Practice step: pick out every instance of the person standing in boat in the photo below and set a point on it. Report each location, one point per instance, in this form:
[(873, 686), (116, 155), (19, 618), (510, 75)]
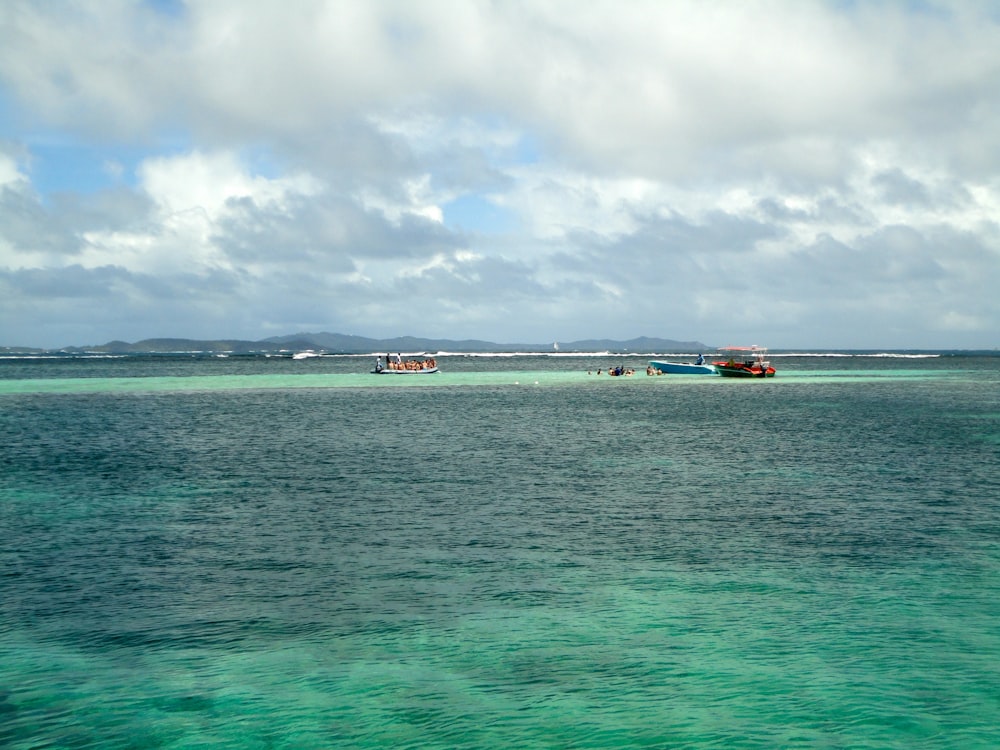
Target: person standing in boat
[(700, 360), (378, 364)]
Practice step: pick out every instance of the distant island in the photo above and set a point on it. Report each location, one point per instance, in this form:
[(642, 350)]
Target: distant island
[(338, 343)]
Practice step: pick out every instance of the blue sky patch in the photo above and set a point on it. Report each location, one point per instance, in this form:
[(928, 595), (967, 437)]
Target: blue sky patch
[(473, 213), (174, 8)]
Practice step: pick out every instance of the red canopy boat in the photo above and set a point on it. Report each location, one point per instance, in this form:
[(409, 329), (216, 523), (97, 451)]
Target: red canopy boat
[(744, 362)]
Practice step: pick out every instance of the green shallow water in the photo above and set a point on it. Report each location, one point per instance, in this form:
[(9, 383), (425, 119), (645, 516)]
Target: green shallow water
[(189, 383), (232, 557)]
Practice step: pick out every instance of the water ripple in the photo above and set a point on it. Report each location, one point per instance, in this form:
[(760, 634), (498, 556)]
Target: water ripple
[(569, 566)]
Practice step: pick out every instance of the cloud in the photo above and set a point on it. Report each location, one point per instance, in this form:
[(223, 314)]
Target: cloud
[(10, 174), (527, 171)]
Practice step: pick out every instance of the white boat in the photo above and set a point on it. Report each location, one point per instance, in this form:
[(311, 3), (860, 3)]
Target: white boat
[(397, 366), (683, 368), (307, 354), (421, 371)]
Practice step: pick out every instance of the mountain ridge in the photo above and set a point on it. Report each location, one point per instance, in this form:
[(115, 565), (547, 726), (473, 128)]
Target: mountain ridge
[(338, 343)]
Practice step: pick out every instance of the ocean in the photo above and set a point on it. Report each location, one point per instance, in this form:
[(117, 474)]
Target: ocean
[(515, 552)]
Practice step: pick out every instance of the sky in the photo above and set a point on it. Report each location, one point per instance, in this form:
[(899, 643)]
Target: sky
[(797, 174)]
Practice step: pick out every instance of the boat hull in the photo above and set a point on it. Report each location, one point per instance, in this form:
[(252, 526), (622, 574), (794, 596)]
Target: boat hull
[(744, 362), (739, 371), (682, 368), (425, 371)]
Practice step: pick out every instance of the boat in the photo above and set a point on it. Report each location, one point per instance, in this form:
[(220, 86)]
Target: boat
[(421, 371), (397, 366), (744, 362), (683, 368), (307, 354)]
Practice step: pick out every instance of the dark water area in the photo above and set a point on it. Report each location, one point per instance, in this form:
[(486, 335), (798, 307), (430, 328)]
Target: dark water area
[(185, 364), (523, 555)]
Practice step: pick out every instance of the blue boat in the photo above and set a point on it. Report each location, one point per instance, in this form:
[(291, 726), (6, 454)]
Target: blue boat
[(682, 368)]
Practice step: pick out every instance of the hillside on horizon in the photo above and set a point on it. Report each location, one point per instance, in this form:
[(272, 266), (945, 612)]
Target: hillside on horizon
[(338, 343)]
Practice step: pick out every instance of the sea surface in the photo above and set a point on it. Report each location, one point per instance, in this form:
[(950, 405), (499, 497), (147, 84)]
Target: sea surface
[(516, 552)]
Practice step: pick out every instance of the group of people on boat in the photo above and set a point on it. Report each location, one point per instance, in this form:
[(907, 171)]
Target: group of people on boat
[(396, 362)]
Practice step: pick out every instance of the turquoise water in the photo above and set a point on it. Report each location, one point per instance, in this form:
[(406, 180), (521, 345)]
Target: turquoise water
[(511, 553)]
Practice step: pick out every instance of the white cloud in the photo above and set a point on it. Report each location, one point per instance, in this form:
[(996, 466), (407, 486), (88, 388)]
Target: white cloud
[(191, 194), (415, 197), (10, 172), (651, 153), (206, 182)]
